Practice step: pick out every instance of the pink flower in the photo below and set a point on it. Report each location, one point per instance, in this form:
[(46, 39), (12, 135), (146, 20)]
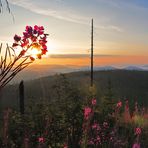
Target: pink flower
[(136, 145), (42, 42), (94, 101), (98, 139), (26, 35), (105, 124), (17, 38), (111, 138), (44, 51), (91, 142), (96, 126), (87, 112), (41, 28), (119, 104), (44, 47), (137, 131), (24, 42), (38, 29), (65, 146), (40, 32), (41, 140), (33, 38), (29, 29)]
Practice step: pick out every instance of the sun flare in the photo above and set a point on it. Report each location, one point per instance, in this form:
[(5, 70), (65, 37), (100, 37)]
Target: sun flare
[(51, 47), (34, 52)]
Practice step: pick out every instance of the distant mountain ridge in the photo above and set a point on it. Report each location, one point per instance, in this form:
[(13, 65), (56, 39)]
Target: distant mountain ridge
[(134, 68), (37, 71)]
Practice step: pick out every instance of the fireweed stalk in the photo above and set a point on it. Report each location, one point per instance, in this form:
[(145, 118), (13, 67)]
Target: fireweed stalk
[(88, 114), (32, 45), (137, 132), (94, 134)]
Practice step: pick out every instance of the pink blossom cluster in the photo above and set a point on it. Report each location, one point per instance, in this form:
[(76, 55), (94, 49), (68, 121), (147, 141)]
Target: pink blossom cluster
[(105, 125), (96, 126), (119, 104), (99, 134), (95, 141), (65, 146), (93, 101), (136, 145), (87, 112), (33, 37), (41, 140), (138, 131)]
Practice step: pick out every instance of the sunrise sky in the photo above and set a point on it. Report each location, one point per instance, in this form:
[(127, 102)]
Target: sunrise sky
[(120, 29)]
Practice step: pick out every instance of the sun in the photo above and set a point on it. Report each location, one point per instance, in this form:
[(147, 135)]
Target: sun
[(34, 52), (51, 47)]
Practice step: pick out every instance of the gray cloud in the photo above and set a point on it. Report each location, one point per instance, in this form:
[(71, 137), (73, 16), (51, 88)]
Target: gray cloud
[(73, 56)]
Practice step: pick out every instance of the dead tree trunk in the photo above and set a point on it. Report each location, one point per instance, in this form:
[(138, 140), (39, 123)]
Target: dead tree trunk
[(21, 97)]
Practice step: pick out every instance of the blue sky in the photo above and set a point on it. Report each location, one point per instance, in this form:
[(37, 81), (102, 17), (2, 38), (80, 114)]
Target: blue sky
[(120, 25)]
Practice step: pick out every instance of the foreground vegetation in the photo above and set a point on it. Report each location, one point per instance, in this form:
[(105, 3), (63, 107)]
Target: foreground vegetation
[(73, 119)]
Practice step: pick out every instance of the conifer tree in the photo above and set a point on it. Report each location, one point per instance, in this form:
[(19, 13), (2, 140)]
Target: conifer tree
[(107, 101)]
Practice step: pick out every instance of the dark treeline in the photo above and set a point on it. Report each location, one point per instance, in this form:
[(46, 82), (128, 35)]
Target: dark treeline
[(132, 85)]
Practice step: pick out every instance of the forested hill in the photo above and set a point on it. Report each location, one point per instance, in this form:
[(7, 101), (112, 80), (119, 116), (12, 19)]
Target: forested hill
[(125, 84)]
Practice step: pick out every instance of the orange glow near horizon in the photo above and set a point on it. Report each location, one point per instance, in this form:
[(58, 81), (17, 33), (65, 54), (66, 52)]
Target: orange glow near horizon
[(98, 60)]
